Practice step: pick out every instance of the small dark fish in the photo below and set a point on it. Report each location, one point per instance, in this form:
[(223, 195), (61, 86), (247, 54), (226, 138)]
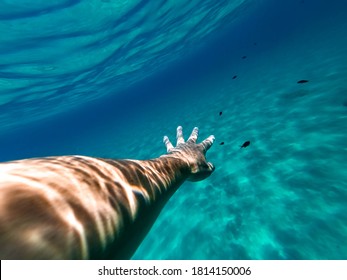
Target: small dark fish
[(246, 144), (234, 77), (221, 143), (255, 43), (220, 113), (244, 57), (302, 81)]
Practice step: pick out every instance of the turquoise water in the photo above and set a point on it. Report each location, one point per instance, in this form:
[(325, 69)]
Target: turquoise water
[(111, 78)]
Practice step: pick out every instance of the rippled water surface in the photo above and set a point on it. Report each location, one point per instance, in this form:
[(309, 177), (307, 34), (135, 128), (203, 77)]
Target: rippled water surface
[(55, 55)]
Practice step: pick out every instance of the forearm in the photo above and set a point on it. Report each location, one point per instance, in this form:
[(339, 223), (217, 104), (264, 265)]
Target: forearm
[(78, 207), (101, 207), (165, 174), (152, 183)]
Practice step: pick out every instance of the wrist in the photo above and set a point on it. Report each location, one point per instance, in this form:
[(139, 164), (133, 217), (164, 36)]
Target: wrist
[(177, 163)]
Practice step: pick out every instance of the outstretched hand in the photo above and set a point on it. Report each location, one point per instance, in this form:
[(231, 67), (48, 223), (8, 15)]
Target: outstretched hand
[(192, 153)]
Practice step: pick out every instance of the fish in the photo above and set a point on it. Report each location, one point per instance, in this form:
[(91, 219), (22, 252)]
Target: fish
[(246, 144), (302, 81), (220, 113), (234, 77), (221, 143), (244, 57)]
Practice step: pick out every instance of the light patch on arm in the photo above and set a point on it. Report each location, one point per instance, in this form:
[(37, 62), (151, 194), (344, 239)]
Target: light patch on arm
[(142, 192), (131, 199), (154, 184), (70, 219)]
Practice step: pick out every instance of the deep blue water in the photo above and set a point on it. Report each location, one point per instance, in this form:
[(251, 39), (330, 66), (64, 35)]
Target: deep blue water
[(110, 78)]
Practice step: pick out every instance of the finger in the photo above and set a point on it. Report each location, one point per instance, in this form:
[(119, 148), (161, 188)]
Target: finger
[(210, 166), (207, 143), (205, 170), (194, 135), (168, 144), (180, 139)]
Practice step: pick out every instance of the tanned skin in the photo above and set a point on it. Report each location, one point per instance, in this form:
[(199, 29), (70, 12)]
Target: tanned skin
[(79, 207)]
